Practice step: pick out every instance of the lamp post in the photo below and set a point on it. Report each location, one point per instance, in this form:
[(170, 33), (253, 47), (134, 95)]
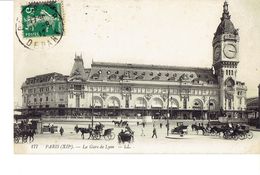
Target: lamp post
[(92, 108), (168, 114)]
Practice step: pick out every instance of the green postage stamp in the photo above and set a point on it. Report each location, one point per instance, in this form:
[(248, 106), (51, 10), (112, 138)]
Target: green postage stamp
[(40, 25), (42, 19)]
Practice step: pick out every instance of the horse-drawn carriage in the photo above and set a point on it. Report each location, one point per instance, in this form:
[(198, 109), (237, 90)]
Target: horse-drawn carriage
[(23, 133), (238, 132), (96, 133), (125, 136)]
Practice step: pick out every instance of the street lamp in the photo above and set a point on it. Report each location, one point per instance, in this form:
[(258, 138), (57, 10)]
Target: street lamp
[(92, 108), (168, 114)]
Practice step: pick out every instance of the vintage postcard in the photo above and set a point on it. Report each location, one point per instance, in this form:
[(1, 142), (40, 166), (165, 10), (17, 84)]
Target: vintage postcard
[(136, 76)]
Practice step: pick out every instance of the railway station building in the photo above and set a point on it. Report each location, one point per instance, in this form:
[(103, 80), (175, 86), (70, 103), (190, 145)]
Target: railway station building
[(106, 89)]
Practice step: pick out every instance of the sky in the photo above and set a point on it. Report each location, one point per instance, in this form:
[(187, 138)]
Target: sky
[(160, 32)]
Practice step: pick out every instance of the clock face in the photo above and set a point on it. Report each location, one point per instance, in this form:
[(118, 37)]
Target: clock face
[(217, 53), (230, 51)]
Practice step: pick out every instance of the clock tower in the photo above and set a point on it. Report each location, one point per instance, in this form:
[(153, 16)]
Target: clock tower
[(225, 60)]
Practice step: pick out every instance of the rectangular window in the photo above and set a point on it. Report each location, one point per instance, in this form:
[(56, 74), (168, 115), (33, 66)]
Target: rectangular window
[(47, 98), (35, 100)]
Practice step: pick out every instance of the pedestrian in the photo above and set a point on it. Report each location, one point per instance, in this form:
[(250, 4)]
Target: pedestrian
[(61, 131), (142, 134), (160, 125), (154, 132)]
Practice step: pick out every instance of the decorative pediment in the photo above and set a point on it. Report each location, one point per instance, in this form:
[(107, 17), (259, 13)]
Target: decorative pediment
[(112, 77), (95, 76), (184, 77)]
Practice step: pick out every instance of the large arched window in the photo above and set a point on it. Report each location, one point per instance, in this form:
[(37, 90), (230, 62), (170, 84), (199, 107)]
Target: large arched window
[(197, 104), (113, 102), (157, 103), (140, 103), (173, 103), (97, 102)]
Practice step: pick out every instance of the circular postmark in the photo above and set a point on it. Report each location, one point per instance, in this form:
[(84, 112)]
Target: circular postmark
[(40, 25)]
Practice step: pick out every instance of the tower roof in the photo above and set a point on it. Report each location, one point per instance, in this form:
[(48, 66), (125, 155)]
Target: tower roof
[(226, 26), (78, 72)]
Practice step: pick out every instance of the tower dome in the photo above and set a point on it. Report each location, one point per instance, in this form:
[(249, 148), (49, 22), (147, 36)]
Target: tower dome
[(226, 26)]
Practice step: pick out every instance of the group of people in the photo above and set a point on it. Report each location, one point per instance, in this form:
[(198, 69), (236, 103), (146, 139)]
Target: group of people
[(154, 132)]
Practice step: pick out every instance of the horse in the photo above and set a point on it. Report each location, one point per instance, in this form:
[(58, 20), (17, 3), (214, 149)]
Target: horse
[(197, 128), (117, 122), (31, 134), (125, 137), (84, 131), (217, 130)]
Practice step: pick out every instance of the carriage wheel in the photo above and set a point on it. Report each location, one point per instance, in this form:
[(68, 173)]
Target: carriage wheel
[(97, 136), (249, 135), (16, 139), (235, 137), (242, 136), (111, 136), (24, 139)]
